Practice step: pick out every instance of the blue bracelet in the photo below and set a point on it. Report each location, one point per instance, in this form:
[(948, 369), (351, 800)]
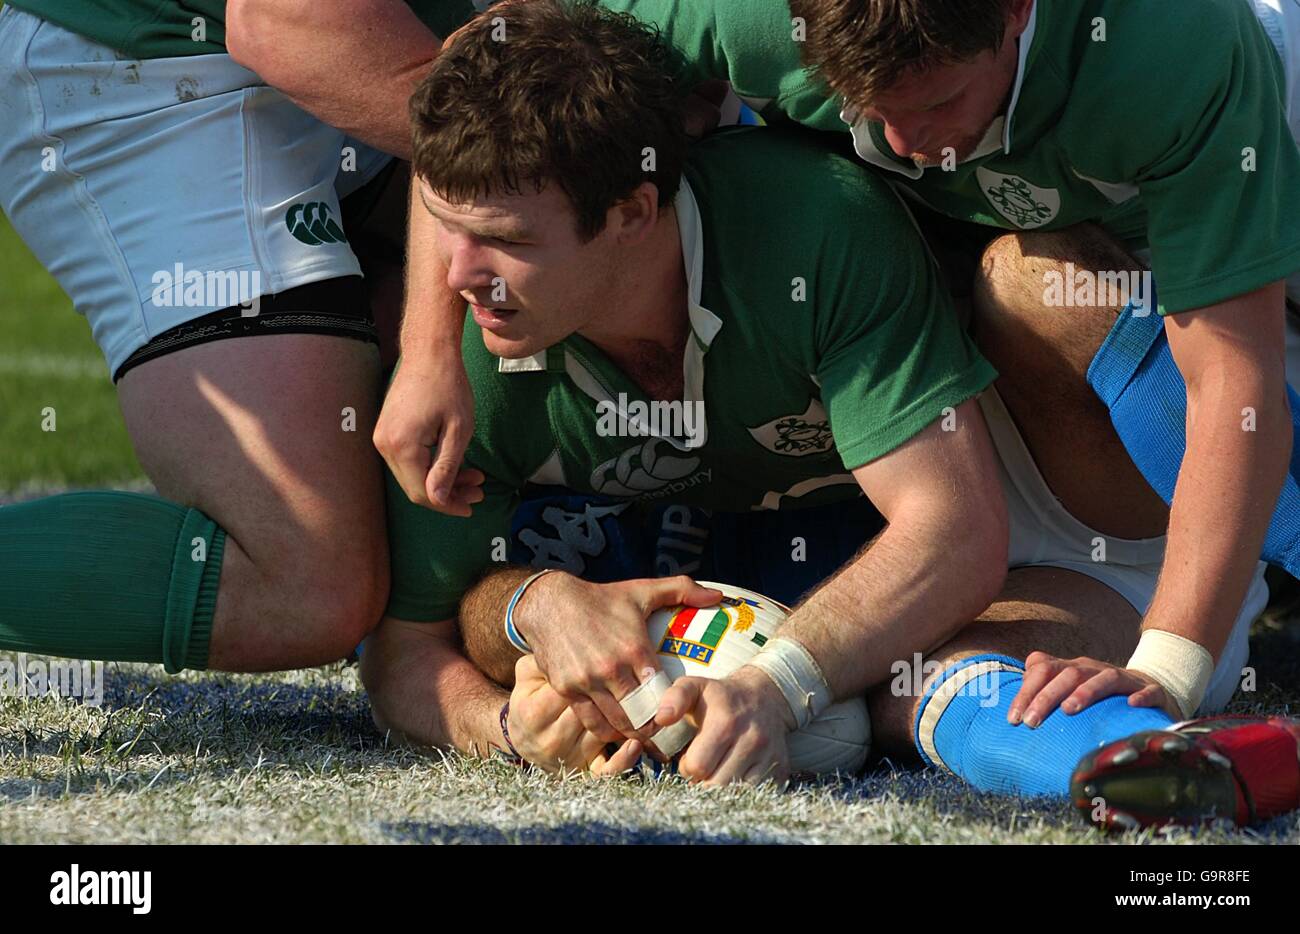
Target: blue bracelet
[(513, 634)]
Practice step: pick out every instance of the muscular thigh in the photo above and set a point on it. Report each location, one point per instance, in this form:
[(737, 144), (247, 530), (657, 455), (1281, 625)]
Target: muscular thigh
[(1042, 354), (1052, 610), (270, 436)]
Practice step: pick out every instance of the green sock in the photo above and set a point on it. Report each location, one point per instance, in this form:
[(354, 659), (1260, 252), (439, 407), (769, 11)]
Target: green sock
[(109, 576)]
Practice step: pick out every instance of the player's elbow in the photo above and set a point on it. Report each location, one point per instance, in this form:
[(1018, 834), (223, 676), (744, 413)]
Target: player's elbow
[(980, 546), (256, 32)]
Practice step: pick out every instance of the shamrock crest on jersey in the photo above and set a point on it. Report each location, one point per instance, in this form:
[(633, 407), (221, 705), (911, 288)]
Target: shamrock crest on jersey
[(1021, 202), (797, 435)]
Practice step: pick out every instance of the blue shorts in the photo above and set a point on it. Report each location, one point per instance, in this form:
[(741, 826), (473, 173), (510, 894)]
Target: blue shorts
[(783, 554)]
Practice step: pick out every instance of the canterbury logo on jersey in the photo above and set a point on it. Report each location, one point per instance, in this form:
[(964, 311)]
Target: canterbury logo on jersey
[(312, 224), (649, 468)]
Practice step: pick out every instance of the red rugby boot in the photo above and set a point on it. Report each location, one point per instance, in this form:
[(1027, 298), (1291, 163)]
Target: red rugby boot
[(1237, 768)]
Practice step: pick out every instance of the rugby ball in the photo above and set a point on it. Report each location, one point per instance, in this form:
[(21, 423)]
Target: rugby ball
[(712, 642)]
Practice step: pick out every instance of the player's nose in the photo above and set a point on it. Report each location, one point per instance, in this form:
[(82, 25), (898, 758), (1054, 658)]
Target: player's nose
[(906, 137), (467, 269)]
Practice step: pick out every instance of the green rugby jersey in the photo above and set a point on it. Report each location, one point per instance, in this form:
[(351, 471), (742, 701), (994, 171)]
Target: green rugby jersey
[(144, 29), (821, 339), (1151, 132)]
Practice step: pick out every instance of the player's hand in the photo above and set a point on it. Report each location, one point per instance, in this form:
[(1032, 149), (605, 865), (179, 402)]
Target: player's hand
[(592, 643), (546, 732), (1076, 683), (743, 721), (429, 403), (702, 109)]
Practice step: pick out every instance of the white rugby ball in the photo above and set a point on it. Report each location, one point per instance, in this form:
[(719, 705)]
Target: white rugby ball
[(712, 642)]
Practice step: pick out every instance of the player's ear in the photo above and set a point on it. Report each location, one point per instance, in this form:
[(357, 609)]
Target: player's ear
[(632, 219), (1020, 11)]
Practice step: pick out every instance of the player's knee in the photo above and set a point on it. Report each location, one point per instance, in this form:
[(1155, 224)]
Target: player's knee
[(335, 600)]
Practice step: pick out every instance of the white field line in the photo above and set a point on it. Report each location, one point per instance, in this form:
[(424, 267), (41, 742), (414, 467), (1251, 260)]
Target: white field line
[(38, 490), (53, 365)]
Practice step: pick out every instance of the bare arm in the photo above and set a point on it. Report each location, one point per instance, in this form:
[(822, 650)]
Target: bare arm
[(940, 562), (1231, 357), (305, 47), (423, 689), (1238, 444), (938, 565), (482, 624), (429, 402)]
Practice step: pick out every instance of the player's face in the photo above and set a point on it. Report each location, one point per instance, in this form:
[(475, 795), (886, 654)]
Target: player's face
[(945, 112), (519, 263)]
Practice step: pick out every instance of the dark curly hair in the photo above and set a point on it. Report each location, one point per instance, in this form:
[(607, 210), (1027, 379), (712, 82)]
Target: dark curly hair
[(540, 92)]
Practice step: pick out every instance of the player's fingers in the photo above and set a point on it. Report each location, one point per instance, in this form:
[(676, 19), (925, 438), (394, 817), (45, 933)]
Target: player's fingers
[(446, 465), (771, 769), (679, 700), (409, 464), (623, 760), (704, 756), (593, 719), (1102, 684), (668, 591), (1152, 695), (613, 711), (1052, 694), (465, 495), (1036, 678), (528, 674), (749, 753)]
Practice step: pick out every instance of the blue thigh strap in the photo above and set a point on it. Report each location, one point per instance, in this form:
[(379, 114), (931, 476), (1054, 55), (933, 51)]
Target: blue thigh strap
[(1135, 375)]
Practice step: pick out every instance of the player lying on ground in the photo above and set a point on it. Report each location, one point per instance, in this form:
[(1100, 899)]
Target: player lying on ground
[(1035, 116), (138, 152), (690, 279), (581, 323)]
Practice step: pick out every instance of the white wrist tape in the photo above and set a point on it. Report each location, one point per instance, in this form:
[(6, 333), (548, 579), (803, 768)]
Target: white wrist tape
[(641, 704), (798, 676), (1181, 666)]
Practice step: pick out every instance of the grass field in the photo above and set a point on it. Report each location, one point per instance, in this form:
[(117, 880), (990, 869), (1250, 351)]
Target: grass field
[(294, 758)]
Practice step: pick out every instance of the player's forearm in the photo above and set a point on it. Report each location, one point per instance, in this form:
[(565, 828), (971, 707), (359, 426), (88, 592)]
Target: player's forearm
[(482, 623), (425, 691), (433, 316), (914, 588), (352, 63), (1222, 506)]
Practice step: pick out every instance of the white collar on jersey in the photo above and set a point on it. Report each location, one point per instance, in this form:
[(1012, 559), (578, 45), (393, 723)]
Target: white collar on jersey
[(997, 138), (704, 328)]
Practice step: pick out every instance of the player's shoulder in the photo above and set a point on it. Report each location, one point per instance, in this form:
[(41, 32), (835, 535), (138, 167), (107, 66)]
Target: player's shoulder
[(1142, 43), (788, 177)]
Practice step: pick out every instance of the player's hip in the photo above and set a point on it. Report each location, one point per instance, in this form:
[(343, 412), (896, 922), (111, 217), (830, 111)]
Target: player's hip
[(160, 191)]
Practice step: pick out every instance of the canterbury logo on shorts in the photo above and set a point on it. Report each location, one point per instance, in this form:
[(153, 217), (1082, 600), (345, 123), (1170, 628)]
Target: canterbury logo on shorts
[(312, 224)]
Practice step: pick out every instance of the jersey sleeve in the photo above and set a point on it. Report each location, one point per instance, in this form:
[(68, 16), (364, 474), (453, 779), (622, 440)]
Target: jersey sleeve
[(1208, 147), (434, 559), (892, 355), (751, 45)]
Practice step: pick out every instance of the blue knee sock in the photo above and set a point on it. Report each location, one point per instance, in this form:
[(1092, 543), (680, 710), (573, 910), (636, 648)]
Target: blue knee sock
[(962, 726), (1135, 375)]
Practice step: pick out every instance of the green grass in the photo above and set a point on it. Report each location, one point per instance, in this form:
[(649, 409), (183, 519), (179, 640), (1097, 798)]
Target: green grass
[(49, 361), (294, 757)]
